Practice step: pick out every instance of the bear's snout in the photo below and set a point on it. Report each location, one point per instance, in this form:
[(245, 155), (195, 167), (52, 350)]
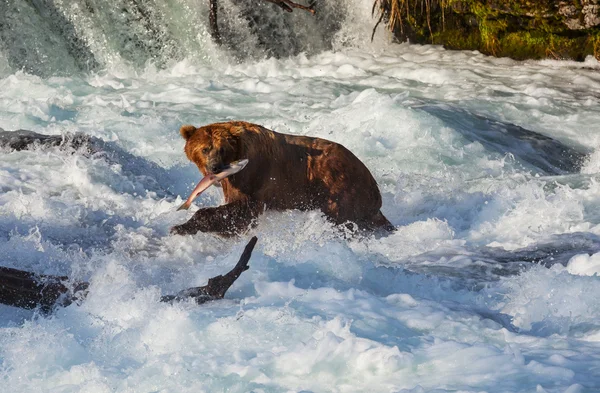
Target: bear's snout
[(215, 162), (216, 167)]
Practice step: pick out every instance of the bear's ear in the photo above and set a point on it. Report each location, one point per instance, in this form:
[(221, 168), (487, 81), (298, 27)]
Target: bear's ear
[(187, 131)]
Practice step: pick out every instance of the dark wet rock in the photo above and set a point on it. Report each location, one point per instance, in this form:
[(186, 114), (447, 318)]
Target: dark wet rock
[(147, 174)]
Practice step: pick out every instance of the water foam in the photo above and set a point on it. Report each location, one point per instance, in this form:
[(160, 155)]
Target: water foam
[(449, 302)]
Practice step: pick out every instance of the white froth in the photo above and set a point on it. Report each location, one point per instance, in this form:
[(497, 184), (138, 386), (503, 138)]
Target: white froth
[(584, 265), (450, 302)]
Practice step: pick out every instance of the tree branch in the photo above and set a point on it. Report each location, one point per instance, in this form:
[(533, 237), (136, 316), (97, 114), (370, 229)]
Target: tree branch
[(217, 286), (28, 290)]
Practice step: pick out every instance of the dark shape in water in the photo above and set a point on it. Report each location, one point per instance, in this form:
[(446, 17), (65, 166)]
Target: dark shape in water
[(548, 155), (28, 290), (558, 249), (51, 37), (492, 263), (24, 140), (36, 37), (96, 147), (277, 33), (217, 286)]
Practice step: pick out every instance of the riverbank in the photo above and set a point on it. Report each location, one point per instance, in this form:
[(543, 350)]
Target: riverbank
[(520, 29)]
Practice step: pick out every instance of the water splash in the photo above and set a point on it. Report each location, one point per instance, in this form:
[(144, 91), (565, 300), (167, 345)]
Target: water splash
[(64, 37)]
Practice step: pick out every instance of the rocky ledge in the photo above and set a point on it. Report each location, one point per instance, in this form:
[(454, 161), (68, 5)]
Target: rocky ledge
[(521, 29)]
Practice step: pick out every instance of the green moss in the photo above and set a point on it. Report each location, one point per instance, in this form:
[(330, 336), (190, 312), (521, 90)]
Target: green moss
[(536, 45), (490, 31), (521, 29), (527, 45), (455, 39), (521, 45), (593, 45)]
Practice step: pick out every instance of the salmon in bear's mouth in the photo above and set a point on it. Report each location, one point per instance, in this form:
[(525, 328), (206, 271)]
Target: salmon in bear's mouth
[(211, 179)]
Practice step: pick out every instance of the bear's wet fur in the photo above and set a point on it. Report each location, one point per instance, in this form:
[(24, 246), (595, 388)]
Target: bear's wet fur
[(284, 172)]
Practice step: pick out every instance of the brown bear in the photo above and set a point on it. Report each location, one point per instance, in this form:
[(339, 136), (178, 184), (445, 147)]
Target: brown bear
[(284, 172)]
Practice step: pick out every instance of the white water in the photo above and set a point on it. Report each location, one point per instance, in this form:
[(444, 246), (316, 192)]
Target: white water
[(449, 302)]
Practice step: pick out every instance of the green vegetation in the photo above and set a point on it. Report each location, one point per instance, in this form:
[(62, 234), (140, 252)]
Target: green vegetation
[(521, 29)]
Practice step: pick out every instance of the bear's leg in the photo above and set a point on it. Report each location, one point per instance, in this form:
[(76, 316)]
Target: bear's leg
[(226, 220), (343, 208)]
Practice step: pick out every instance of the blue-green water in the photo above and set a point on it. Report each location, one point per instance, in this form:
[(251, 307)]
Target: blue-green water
[(478, 160)]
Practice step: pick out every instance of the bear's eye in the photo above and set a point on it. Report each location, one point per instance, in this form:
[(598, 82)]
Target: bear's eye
[(205, 150)]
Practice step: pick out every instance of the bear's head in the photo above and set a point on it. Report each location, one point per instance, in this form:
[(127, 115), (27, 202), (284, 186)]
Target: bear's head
[(212, 148)]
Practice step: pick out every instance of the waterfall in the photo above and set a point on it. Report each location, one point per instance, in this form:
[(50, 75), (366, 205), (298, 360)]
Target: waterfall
[(65, 37)]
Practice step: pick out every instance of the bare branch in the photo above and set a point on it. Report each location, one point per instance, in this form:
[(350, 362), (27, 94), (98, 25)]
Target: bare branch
[(23, 289), (376, 24)]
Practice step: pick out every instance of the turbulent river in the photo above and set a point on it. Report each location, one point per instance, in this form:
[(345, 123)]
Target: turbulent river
[(488, 168)]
